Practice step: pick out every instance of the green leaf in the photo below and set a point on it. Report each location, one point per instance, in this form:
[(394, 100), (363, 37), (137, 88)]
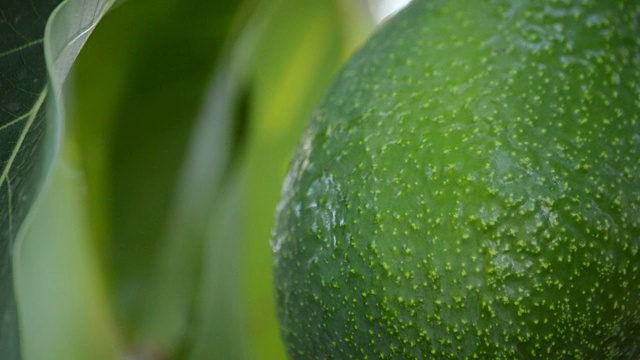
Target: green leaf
[(219, 328), (133, 120), (64, 309), (28, 129), (23, 79), (213, 149)]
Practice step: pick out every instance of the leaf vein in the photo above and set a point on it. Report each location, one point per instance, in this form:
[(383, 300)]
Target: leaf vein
[(17, 119), (31, 117), (20, 48), (10, 213)]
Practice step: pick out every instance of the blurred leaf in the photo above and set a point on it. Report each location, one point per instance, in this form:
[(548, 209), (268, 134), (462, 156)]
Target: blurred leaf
[(64, 308), (205, 220), (133, 118), (28, 129), (218, 325), (213, 151)]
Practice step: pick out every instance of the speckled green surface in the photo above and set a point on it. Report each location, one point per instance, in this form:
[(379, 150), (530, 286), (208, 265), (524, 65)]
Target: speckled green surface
[(470, 188)]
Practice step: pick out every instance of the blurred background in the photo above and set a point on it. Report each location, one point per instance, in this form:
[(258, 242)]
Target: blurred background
[(152, 240)]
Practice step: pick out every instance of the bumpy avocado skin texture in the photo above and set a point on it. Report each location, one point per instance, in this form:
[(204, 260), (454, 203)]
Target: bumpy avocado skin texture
[(469, 188)]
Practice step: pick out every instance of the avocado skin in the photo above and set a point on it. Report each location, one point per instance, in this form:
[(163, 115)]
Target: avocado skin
[(469, 188)]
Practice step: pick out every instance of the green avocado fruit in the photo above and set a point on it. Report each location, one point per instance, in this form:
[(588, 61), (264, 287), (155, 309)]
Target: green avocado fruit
[(469, 188)]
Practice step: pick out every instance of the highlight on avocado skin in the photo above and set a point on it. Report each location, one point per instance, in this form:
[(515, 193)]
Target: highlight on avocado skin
[(469, 187)]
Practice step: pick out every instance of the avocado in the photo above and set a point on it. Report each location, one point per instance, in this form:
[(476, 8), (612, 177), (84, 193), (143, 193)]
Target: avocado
[(469, 188)]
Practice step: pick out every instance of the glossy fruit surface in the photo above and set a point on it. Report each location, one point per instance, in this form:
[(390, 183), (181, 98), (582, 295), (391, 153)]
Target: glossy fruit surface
[(470, 188)]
